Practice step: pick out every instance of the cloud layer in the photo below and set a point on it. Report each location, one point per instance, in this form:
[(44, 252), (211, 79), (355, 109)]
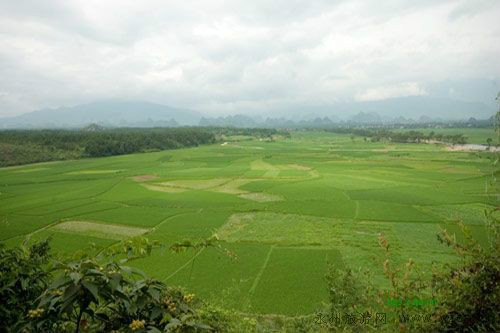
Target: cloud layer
[(242, 56), (386, 92)]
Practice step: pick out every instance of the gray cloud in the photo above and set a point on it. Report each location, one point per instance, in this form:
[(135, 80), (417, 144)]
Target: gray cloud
[(242, 56)]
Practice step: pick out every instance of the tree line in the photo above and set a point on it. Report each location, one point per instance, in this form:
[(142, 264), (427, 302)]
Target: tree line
[(376, 135), (31, 146)]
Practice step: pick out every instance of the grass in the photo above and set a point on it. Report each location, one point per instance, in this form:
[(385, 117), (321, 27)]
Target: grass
[(284, 209)]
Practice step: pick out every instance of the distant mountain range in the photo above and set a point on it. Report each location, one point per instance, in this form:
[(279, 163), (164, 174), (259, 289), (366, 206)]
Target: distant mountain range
[(412, 107), (106, 113), (120, 113)]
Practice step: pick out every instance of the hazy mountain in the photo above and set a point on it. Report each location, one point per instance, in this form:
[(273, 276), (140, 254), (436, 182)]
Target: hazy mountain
[(108, 113), (366, 118), (408, 107), (418, 106), (235, 121), (145, 114)]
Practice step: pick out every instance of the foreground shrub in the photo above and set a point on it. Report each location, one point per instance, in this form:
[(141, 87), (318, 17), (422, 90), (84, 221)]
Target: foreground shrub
[(89, 294), (469, 293), (23, 278)]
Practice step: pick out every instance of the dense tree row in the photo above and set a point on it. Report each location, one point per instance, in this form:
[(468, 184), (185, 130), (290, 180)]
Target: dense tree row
[(376, 135), (255, 132), (31, 146), (28, 146), (360, 120)]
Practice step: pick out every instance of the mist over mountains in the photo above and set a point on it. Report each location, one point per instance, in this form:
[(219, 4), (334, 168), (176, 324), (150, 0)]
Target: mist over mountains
[(123, 113), (106, 113)]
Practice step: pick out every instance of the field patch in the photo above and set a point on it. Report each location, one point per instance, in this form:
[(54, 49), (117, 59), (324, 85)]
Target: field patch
[(220, 185), (131, 216), (29, 170), (144, 178), (99, 230), (283, 229), (384, 211), (63, 242), (195, 184), (261, 197), (473, 214), (233, 186), (414, 196), (92, 172), (261, 165), (160, 188), (209, 274), (17, 225), (298, 167), (286, 273)]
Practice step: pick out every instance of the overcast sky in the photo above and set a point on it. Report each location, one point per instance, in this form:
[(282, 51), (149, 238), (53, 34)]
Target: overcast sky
[(245, 56)]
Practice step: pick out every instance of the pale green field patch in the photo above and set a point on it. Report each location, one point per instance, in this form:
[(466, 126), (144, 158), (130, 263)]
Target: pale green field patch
[(272, 174), (261, 197), (93, 172), (196, 184), (99, 230), (144, 178), (261, 165), (298, 167), (164, 188), (30, 170), (233, 186)]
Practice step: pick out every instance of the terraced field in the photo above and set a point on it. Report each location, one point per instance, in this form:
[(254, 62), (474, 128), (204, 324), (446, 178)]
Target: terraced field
[(285, 209)]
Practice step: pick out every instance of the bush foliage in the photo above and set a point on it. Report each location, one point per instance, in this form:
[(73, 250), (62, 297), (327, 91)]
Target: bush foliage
[(89, 294)]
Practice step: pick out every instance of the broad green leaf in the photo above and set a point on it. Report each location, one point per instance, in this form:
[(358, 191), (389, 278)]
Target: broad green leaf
[(92, 288)]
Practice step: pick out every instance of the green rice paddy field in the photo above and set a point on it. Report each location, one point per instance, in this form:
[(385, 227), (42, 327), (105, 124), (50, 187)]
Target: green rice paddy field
[(285, 209)]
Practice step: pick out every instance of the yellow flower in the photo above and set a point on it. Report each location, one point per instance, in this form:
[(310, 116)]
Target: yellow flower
[(57, 292), (172, 307), (137, 324), (188, 298), (35, 313)]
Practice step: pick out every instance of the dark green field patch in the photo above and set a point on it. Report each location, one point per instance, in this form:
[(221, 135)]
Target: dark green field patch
[(479, 233), (196, 225), (131, 215), (64, 244), (471, 214), (338, 207), (295, 278), (18, 225), (414, 196), (385, 211), (211, 274)]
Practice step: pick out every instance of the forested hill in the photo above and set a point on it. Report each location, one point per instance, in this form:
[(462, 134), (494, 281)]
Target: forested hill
[(31, 146)]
